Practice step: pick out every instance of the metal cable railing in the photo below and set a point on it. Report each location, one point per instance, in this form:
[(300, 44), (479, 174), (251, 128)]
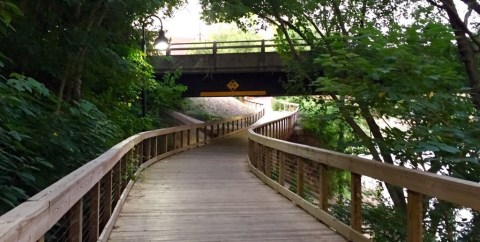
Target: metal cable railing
[(83, 206), (301, 173)]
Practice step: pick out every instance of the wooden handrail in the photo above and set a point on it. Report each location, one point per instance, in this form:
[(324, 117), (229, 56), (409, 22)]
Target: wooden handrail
[(268, 155), (86, 202)]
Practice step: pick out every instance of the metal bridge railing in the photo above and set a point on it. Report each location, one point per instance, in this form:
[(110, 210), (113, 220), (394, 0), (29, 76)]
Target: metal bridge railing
[(239, 46)]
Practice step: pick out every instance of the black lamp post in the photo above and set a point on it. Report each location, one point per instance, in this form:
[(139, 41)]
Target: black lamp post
[(160, 43)]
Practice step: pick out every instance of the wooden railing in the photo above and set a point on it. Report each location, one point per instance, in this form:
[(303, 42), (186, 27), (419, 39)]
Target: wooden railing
[(299, 172), (83, 206)]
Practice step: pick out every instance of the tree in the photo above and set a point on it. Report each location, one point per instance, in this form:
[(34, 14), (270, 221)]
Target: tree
[(81, 73), (371, 68)]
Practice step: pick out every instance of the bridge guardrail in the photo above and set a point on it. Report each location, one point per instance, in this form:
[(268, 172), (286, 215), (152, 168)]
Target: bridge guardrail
[(83, 205), (298, 171)]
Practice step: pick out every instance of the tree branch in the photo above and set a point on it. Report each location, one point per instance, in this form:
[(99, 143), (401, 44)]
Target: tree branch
[(472, 4)]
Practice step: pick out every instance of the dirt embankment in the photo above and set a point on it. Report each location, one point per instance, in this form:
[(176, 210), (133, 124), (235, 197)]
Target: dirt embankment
[(215, 108)]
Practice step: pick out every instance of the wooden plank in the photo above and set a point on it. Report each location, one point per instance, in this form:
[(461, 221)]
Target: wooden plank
[(415, 217)]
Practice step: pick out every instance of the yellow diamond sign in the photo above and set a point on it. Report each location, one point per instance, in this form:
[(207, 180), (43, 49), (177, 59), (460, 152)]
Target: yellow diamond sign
[(232, 85)]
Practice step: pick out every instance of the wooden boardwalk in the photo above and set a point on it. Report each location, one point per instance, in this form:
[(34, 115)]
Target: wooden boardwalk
[(208, 194)]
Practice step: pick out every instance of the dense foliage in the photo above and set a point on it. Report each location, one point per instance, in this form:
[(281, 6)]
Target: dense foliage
[(82, 71), (398, 86)]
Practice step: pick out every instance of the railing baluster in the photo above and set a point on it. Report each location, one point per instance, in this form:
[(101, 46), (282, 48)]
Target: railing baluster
[(415, 216), (356, 202)]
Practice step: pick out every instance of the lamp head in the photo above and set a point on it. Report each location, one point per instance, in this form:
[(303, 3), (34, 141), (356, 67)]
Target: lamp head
[(161, 42)]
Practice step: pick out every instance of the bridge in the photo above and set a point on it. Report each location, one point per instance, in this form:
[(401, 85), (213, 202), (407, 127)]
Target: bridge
[(228, 68), (235, 179)]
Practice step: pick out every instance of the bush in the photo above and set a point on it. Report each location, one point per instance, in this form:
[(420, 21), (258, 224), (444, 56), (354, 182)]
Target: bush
[(39, 146)]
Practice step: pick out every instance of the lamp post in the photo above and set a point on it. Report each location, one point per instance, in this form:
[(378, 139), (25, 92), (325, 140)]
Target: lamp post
[(160, 43)]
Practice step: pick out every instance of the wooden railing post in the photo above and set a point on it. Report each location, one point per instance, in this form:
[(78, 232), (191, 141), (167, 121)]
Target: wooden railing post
[(107, 203), (323, 187), (281, 169), (121, 177), (154, 147), (165, 143), (205, 135), (415, 216), (175, 140), (268, 164), (94, 218), (356, 200), (300, 177), (197, 136), (118, 183), (76, 222), (181, 139), (146, 150)]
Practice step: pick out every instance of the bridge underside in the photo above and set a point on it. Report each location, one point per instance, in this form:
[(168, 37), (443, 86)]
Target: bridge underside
[(233, 84), (248, 84)]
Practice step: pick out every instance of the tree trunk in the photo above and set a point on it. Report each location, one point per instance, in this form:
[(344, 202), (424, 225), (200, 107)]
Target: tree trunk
[(466, 52), (396, 193)]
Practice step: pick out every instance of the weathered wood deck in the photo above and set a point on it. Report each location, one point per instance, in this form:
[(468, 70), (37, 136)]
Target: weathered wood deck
[(208, 194)]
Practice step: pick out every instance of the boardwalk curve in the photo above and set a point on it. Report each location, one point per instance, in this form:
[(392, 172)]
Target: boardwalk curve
[(209, 194)]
